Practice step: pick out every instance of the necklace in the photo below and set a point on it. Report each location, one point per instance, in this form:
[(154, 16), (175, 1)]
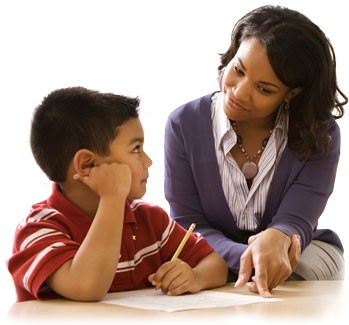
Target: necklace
[(249, 167)]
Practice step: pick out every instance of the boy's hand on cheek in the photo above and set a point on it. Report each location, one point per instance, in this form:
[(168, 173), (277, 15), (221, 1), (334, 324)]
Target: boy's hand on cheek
[(108, 179)]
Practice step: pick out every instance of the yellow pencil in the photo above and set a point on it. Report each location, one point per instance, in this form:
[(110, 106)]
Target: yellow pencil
[(180, 247)]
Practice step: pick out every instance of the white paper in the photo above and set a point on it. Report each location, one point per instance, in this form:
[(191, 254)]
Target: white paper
[(152, 299)]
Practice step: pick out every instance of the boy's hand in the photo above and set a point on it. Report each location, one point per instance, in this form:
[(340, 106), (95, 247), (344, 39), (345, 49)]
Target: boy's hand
[(176, 277), (108, 180)]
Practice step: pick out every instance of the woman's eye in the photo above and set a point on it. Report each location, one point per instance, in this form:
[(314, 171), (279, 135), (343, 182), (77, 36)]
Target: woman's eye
[(238, 70), (265, 91)]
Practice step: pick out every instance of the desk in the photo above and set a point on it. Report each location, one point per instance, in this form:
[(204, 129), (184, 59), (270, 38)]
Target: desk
[(311, 302)]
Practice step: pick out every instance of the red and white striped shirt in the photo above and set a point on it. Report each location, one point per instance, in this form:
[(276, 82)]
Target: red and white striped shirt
[(55, 229)]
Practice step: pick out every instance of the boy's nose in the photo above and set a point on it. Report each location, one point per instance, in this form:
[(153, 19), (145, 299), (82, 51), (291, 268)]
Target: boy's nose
[(147, 161)]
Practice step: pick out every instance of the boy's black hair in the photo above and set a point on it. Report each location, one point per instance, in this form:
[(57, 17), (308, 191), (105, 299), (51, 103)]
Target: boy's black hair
[(70, 119)]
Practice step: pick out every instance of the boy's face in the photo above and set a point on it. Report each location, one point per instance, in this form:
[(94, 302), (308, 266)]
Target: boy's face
[(127, 148)]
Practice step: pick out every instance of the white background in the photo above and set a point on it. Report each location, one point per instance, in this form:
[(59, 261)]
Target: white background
[(165, 52)]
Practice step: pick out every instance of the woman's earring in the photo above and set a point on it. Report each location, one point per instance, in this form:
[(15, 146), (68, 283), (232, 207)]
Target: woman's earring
[(286, 105)]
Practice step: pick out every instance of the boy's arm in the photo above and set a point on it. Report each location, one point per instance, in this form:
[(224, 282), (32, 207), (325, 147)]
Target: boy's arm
[(212, 271), (177, 277), (88, 276)]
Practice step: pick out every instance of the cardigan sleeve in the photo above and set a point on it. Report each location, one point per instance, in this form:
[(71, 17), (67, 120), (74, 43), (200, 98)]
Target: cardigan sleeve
[(185, 195), (305, 190)]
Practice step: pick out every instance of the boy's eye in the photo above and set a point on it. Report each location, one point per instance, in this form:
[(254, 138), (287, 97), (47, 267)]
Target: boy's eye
[(137, 149)]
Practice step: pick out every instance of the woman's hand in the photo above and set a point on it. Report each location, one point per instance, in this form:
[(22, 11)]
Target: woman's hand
[(273, 256)]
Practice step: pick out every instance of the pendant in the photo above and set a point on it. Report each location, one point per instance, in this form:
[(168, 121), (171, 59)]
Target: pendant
[(249, 169)]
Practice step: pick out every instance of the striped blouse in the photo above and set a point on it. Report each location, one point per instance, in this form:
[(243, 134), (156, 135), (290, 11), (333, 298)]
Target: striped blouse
[(246, 205)]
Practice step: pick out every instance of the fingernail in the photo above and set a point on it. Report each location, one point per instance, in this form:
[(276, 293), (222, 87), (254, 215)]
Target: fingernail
[(158, 285), (267, 294), (238, 281)]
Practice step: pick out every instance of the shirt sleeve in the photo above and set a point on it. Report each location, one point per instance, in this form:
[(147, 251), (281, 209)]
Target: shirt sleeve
[(306, 192), (195, 249), (39, 249)]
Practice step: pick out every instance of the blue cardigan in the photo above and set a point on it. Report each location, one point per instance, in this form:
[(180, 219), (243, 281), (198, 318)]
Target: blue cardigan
[(298, 194)]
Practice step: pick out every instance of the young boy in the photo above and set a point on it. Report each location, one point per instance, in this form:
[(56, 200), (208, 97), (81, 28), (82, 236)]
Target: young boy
[(91, 236)]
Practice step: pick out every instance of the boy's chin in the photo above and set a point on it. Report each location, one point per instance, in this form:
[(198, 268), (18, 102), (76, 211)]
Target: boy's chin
[(136, 195)]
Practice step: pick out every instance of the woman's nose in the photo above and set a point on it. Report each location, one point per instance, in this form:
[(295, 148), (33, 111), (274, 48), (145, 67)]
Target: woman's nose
[(242, 90)]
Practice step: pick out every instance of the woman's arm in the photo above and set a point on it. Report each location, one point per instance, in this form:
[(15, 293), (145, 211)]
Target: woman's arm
[(302, 190), (303, 199), (184, 193)]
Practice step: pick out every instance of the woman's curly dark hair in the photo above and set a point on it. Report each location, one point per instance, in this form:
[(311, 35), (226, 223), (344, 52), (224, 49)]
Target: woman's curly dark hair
[(301, 56)]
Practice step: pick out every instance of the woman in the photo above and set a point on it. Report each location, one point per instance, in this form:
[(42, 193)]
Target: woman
[(254, 164)]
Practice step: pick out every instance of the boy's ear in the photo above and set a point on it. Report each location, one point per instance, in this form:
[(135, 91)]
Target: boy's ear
[(83, 161)]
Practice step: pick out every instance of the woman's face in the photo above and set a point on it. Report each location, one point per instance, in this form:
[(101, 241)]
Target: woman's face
[(252, 92)]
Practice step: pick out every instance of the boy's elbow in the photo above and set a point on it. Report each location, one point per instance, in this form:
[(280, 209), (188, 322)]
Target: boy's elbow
[(79, 287), (87, 294), (95, 294), (83, 292)]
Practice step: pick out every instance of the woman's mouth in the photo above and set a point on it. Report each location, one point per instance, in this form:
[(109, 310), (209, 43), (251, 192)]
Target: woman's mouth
[(233, 105)]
